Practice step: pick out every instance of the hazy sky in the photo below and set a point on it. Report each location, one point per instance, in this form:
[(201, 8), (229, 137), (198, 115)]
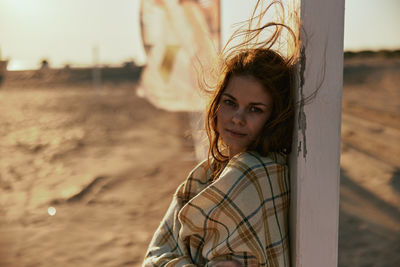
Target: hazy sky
[(65, 31)]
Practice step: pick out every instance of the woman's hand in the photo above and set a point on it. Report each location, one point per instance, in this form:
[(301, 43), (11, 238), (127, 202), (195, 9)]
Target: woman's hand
[(227, 264)]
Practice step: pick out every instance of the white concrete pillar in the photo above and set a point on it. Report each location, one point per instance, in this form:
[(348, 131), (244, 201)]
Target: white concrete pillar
[(315, 160)]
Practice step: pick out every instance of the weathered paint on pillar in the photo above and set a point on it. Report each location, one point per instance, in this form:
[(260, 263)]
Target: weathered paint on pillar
[(315, 160)]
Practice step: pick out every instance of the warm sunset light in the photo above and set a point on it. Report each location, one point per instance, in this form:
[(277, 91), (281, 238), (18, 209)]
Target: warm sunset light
[(104, 111), (66, 31)]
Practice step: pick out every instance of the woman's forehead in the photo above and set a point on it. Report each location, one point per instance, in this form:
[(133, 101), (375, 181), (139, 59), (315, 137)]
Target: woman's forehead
[(247, 89)]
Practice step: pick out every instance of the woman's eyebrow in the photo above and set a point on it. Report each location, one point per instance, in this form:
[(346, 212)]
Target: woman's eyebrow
[(229, 95), (258, 103), (252, 103)]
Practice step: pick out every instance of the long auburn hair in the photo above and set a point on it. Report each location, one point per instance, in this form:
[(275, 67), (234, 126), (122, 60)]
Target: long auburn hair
[(276, 72)]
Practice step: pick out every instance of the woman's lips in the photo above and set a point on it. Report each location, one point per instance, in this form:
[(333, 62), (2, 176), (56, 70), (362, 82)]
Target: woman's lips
[(235, 134)]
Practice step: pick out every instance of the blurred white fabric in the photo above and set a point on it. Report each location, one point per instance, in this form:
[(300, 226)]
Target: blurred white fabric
[(181, 39)]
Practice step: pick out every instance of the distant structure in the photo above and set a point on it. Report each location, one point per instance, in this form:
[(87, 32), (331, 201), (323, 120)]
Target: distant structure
[(129, 64), (44, 65), (3, 69), (96, 70)]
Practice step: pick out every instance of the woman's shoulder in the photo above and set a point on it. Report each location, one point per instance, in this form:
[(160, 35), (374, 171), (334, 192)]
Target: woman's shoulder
[(252, 165), (251, 172), (199, 178), (254, 159), (201, 173)]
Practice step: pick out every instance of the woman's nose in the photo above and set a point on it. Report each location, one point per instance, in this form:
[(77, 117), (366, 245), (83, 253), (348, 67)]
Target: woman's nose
[(239, 118)]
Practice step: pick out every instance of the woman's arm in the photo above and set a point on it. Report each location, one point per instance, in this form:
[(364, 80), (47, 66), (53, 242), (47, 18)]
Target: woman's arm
[(239, 220), (242, 216), (166, 248)]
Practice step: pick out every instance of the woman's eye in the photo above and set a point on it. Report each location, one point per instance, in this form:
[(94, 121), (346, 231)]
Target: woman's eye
[(256, 110), (229, 102)]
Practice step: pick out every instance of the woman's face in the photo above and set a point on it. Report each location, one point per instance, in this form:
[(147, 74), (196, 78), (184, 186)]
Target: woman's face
[(244, 108)]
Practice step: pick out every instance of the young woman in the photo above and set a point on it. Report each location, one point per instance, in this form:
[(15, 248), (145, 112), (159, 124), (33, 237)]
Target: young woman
[(233, 208)]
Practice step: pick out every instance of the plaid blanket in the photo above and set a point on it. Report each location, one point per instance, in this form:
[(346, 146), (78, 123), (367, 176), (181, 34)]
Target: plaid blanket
[(241, 216)]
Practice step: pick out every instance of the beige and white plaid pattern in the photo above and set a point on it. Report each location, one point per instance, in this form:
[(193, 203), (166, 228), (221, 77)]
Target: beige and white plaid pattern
[(241, 216)]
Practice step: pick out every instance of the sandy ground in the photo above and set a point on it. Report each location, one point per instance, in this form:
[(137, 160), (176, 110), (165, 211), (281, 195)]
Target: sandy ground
[(105, 159), (369, 233), (109, 162)]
